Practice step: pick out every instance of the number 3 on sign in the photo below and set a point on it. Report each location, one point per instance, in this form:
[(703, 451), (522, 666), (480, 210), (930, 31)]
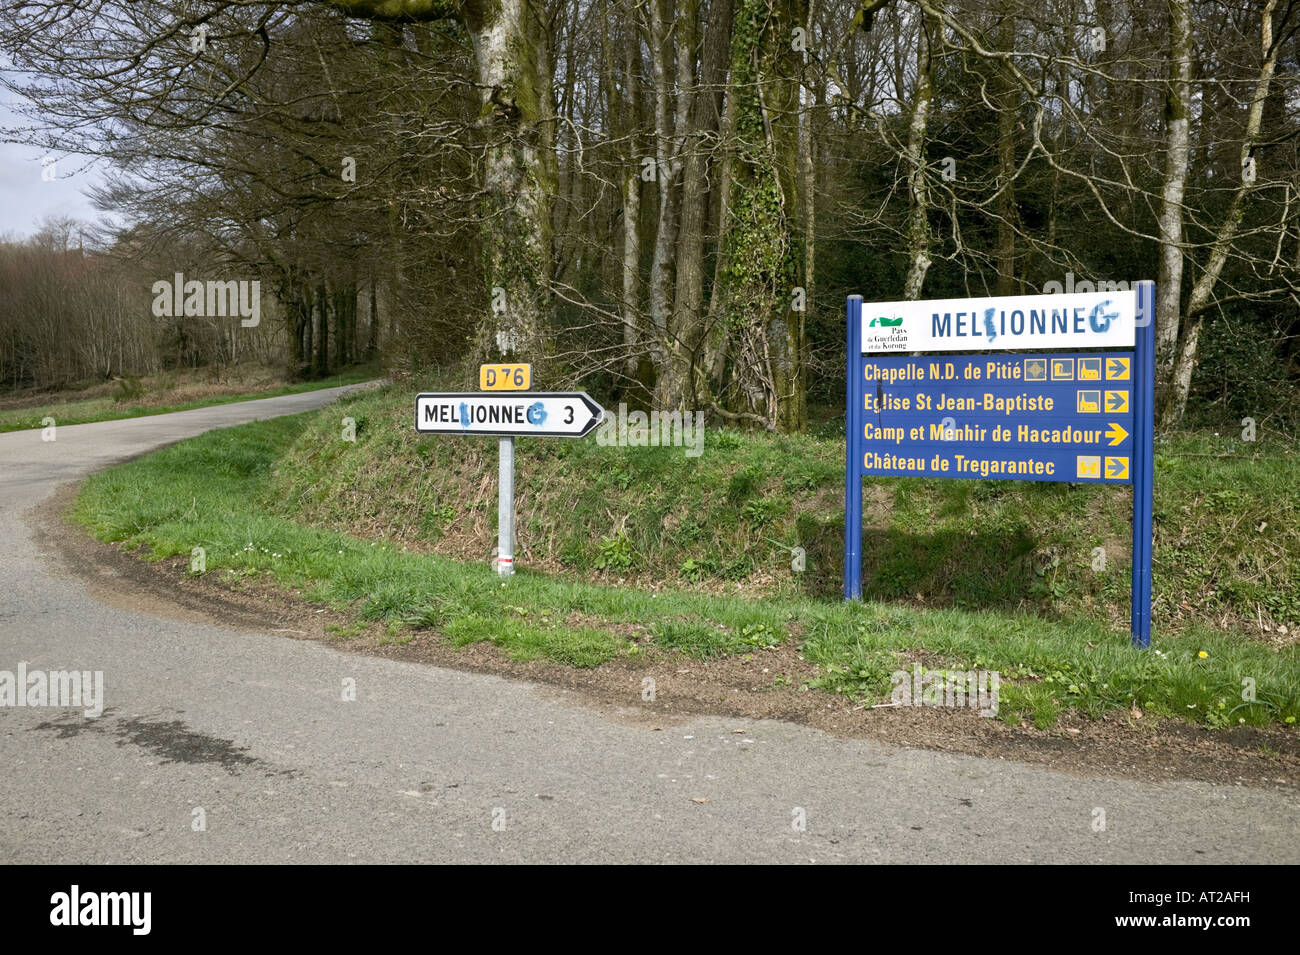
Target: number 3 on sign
[(505, 377)]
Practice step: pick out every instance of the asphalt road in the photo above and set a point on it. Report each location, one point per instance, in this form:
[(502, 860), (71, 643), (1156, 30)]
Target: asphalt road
[(434, 765)]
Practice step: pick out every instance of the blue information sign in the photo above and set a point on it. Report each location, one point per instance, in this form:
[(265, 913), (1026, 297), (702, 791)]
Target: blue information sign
[(1078, 416), (1036, 417)]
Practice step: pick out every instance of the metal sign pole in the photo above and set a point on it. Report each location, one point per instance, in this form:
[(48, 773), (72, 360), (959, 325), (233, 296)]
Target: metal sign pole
[(1144, 370), (854, 390), (506, 508)]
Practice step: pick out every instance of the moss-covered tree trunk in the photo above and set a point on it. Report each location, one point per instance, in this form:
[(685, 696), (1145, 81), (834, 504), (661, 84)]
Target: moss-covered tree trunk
[(763, 264), (518, 176)]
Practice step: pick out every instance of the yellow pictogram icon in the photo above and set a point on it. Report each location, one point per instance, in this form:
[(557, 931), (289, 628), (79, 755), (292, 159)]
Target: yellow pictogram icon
[(1090, 369), (1116, 402), (1117, 369), (1035, 369), (1087, 466), (1062, 369), (1117, 469), (1089, 401), (1116, 434)]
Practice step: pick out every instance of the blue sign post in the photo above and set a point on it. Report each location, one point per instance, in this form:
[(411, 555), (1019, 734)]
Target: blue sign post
[(1144, 383), (1081, 416)]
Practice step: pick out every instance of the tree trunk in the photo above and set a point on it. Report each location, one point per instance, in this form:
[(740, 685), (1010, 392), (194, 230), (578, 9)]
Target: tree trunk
[(308, 345), (918, 228), (677, 383), (519, 177), (322, 366), (628, 111), (1169, 275), (372, 348), (763, 264), (670, 129), (1007, 122), (1199, 301)]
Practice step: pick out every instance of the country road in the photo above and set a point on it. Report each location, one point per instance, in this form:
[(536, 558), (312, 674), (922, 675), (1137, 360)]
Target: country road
[(435, 765)]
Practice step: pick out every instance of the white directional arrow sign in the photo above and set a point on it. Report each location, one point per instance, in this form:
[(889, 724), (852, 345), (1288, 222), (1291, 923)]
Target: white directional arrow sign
[(526, 413)]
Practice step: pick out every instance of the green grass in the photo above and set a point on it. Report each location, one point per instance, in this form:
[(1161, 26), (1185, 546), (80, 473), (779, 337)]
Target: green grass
[(216, 491), (133, 402)]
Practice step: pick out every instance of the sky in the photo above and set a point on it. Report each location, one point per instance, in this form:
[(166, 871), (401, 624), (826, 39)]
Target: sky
[(26, 198)]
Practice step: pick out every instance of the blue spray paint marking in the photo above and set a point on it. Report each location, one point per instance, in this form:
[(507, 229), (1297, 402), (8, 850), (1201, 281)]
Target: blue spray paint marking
[(464, 415), (988, 324), (1099, 319), (537, 413)]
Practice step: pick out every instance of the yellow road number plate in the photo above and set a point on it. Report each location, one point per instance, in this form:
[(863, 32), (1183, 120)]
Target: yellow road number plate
[(505, 377)]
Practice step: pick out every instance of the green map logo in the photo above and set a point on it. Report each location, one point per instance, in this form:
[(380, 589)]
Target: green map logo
[(884, 322)]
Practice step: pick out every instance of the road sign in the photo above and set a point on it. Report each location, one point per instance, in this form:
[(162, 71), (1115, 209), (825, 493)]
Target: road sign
[(528, 414), (505, 377), (991, 416), (1075, 417)]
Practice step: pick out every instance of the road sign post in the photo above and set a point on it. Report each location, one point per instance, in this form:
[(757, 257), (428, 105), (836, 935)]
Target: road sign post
[(1144, 376), (507, 414), (1080, 413), (506, 507), (855, 385)]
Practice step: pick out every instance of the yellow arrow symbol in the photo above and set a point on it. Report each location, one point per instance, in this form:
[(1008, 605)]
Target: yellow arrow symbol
[(1116, 434)]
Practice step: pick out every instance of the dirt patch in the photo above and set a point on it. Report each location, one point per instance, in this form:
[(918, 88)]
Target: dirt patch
[(765, 684)]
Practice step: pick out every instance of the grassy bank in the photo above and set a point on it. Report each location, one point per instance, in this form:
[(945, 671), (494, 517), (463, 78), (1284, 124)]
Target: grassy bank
[(1227, 517), (160, 394), (267, 499)]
